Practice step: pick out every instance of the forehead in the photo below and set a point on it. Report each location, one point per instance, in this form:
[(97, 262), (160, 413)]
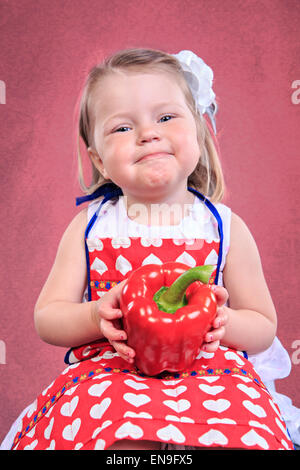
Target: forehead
[(129, 89)]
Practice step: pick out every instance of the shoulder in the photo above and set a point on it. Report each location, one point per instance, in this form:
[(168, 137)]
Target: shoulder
[(243, 247), (239, 230), (79, 221), (76, 228)]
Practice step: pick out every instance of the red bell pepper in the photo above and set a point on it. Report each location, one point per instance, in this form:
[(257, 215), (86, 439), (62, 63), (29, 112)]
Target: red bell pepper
[(167, 310)]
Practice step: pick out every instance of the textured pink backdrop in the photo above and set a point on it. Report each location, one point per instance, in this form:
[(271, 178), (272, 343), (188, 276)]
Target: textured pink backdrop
[(46, 49)]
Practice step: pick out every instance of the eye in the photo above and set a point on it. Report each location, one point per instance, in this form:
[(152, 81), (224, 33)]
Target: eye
[(166, 118), (122, 129)]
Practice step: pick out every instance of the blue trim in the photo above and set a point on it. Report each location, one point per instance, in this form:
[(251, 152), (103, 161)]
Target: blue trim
[(87, 258), (102, 191), (217, 216), (109, 191), (245, 354)]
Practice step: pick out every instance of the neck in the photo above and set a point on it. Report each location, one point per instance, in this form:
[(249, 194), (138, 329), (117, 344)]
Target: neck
[(167, 210)]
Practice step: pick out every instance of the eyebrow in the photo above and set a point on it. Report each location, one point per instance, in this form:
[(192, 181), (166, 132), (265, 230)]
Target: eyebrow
[(125, 115)]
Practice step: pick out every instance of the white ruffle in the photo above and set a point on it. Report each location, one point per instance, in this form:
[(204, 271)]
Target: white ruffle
[(272, 364)]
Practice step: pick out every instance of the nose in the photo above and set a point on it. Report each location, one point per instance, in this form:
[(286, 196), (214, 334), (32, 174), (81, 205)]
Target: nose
[(148, 134)]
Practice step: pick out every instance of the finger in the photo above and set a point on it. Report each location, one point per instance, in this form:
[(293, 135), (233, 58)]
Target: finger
[(110, 302), (107, 310), (211, 347), (221, 294), (215, 335), (124, 350), (110, 332), (221, 318)]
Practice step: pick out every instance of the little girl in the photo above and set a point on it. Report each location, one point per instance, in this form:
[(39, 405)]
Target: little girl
[(156, 192)]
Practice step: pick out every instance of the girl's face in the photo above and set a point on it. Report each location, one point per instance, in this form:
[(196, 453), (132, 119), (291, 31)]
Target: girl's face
[(145, 137)]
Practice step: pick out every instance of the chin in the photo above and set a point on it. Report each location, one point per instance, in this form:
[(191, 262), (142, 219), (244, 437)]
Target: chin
[(159, 178)]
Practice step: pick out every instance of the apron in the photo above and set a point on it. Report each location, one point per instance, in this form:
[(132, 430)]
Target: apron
[(100, 398)]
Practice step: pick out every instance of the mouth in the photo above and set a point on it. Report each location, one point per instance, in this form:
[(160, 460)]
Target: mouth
[(152, 156)]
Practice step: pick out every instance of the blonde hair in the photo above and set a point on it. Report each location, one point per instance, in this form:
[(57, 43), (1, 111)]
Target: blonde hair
[(207, 176)]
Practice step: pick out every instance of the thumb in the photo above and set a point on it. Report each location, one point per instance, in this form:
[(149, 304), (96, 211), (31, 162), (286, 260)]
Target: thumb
[(221, 294)]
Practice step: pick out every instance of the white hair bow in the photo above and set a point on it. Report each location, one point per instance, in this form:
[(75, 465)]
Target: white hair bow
[(199, 77)]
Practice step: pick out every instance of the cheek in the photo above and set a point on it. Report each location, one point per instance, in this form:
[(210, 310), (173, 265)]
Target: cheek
[(118, 150), (187, 139)]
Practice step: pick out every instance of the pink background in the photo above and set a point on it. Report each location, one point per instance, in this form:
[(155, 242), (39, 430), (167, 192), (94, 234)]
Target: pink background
[(46, 49)]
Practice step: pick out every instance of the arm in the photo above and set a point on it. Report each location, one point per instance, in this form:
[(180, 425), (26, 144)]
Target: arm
[(60, 316), (251, 316)]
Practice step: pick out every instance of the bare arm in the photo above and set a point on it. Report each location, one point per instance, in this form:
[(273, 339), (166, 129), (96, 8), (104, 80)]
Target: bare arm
[(60, 316), (252, 321)]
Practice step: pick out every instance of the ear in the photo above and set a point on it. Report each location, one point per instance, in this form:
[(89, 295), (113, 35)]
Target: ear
[(97, 162)]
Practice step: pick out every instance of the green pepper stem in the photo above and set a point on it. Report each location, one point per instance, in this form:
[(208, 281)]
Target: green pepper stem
[(172, 298)]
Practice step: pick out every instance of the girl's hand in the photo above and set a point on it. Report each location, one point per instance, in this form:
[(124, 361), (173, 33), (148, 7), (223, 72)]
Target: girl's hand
[(107, 316), (213, 337)]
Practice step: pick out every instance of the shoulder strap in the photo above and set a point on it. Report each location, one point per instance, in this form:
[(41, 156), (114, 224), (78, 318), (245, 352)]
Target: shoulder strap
[(218, 218), (107, 190)]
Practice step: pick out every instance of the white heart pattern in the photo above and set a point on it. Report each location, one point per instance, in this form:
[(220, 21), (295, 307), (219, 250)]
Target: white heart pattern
[(252, 438), (232, 356), (178, 406), (220, 421), (209, 379), (68, 408), (171, 433), (257, 424), (94, 244), (100, 428), (242, 377), (151, 259), (212, 258), (211, 389), (171, 382), (47, 432), (187, 259), (205, 354), (274, 408), (136, 400), (32, 445), (175, 392), (51, 446), (123, 265), (281, 426), (250, 391), (123, 242), (142, 414), (213, 436), (181, 419), (136, 385), (257, 410), (129, 429), (151, 241), (217, 405), (96, 390), (99, 266), (98, 410), (70, 431), (100, 444)]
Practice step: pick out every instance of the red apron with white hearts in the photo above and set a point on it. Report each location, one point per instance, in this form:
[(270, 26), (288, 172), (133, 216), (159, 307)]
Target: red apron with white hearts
[(100, 398)]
